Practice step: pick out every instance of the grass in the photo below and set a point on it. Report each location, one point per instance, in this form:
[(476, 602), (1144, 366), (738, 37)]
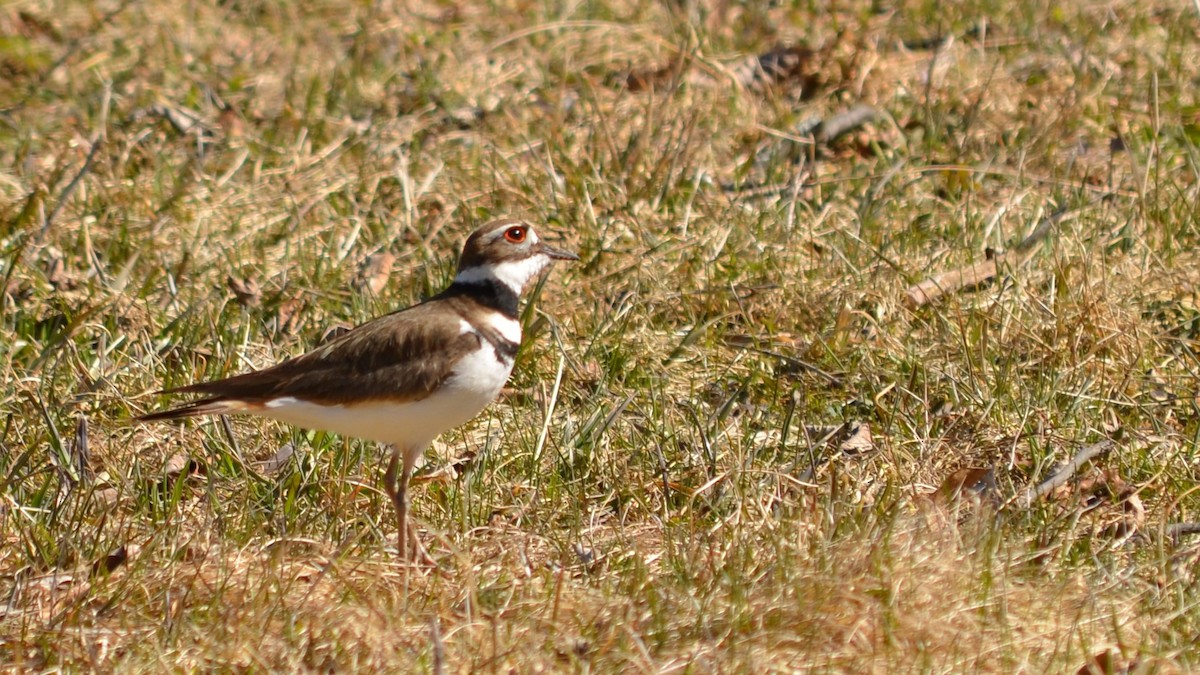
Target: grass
[(641, 499)]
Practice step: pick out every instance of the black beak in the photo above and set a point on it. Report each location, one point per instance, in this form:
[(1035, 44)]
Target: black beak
[(557, 253)]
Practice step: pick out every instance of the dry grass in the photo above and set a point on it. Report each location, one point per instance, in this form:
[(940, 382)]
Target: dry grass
[(658, 510)]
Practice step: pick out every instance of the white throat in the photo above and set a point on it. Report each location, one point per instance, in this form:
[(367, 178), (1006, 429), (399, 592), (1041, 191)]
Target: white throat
[(512, 273)]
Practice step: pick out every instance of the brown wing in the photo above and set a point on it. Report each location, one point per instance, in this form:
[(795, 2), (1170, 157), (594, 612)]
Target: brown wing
[(402, 357)]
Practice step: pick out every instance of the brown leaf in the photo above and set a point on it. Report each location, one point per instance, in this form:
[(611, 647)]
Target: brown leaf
[(1134, 517), (54, 581), (31, 24), (653, 78), (288, 314), (515, 395), (278, 460), (589, 376), (179, 465), (334, 332), (431, 206), (1107, 662), (374, 272), (1134, 509), (56, 268), (231, 123), (858, 439), (111, 561), (974, 480), (1103, 487), (246, 290), (107, 495)]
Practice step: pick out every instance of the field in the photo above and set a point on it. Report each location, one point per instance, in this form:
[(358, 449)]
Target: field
[(808, 402)]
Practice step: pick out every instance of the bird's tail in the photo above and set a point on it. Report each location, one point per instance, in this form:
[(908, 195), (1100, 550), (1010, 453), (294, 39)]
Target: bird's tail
[(206, 406)]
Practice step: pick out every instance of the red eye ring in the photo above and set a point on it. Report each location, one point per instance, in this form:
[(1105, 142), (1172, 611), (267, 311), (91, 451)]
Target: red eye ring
[(515, 234)]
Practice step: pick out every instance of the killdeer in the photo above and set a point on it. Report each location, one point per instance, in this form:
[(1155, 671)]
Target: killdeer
[(406, 377)]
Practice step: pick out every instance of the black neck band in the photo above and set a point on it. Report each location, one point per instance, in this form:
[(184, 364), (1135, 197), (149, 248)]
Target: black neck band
[(489, 293)]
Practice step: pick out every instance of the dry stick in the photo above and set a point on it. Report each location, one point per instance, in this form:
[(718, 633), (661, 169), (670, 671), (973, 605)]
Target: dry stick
[(818, 459), (80, 452), (1064, 474), (830, 379), (1182, 529), (66, 193), (439, 647), (823, 132), (975, 274), (833, 128)]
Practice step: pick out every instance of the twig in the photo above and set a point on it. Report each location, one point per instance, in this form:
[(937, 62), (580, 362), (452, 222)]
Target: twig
[(80, 451), (816, 131), (231, 437), (439, 647), (798, 364), (1175, 530), (975, 274), (833, 128), (953, 281), (1064, 474), (66, 193), (816, 460)]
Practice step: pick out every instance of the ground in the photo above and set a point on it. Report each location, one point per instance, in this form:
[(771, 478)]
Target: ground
[(742, 433)]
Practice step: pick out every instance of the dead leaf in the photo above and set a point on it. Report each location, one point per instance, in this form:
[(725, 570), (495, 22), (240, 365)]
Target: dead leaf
[(431, 206), (1103, 487), (246, 290), (31, 24), (288, 314), (971, 480), (516, 395), (589, 376), (858, 439), (231, 123), (178, 465), (56, 269), (278, 460), (184, 120), (334, 332), (374, 272), (107, 495), (111, 562), (55, 581), (653, 78), (464, 462), (1107, 662), (1135, 511)]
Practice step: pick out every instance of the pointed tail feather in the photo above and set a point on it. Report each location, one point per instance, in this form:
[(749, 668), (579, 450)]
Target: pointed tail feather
[(207, 406)]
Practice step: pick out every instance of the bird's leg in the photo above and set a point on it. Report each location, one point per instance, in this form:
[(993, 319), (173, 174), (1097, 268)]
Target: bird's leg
[(400, 468), (397, 489)]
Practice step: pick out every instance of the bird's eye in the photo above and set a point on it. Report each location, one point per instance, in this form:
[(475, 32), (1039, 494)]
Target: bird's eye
[(515, 235)]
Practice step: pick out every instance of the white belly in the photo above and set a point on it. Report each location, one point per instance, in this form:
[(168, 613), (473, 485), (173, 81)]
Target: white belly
[(475, 383)]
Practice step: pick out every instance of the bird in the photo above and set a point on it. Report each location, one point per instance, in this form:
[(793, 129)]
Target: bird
[(404, 378)]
